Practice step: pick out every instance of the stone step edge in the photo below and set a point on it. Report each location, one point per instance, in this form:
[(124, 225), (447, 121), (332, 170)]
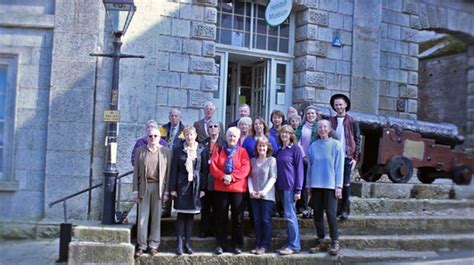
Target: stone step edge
[(366, 217), (430, 236), (304, 253), (118, 234)]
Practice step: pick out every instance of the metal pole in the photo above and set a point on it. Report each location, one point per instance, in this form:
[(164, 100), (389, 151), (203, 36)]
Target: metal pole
[(111, 172)]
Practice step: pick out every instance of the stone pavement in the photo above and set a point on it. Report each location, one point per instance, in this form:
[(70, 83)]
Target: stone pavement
[(28, 252)]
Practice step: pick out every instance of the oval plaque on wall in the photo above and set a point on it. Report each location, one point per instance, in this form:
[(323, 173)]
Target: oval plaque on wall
[(277, 12)]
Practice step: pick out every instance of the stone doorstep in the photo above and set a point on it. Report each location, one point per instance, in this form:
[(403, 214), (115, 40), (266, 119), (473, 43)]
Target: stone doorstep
[(411, 190), (94, 252), (425, 242), (346, 256)]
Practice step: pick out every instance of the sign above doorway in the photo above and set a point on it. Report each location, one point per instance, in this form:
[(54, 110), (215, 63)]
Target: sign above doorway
[(277, 12)]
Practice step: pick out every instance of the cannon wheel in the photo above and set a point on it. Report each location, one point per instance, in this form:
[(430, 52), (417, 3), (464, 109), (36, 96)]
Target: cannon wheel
[(399, 169), (426, 175), (462, 175), (370, 175)]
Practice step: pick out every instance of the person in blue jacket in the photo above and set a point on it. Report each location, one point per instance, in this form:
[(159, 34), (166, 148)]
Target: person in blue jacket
[(324, 179)]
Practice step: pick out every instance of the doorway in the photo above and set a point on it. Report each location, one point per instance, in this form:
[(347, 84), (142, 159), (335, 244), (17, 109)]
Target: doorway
[(261, 82)]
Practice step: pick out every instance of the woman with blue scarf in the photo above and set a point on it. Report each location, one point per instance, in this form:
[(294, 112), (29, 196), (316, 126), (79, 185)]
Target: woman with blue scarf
[(230, 168)]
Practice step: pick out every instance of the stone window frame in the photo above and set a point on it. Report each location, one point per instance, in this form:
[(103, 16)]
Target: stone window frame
[(249, 35), (7, 181)]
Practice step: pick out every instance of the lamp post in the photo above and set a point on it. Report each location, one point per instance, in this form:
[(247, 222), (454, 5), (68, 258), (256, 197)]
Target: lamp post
[(119, 15)]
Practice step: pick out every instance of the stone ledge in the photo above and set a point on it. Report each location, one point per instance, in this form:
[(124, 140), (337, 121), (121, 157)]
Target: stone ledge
[(26, 21), (8, 185)]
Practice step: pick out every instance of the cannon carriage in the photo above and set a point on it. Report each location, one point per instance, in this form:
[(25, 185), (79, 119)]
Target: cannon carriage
[(396, 146)]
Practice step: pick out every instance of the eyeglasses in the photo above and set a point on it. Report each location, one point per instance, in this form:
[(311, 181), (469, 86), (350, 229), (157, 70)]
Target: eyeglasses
[(213, 126), (152, 136)]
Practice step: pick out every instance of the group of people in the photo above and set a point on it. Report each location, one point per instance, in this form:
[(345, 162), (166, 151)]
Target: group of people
[(298, 162)]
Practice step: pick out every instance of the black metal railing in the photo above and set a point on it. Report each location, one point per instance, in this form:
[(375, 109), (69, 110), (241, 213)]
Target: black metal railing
[(64, 199), (65, 231)]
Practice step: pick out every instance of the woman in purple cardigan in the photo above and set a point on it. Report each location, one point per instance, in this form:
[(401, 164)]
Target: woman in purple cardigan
[(290, 183)]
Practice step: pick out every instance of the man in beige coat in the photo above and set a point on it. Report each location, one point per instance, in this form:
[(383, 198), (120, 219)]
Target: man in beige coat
[(150, 186)]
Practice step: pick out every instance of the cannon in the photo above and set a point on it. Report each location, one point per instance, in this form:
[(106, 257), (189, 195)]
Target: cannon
[(396, 146)]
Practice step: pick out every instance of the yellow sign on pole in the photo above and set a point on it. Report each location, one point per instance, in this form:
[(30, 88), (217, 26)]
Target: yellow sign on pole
[(111, 116)]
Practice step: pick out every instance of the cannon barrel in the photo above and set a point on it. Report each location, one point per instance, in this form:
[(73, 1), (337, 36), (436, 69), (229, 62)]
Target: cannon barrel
[(442, 133)]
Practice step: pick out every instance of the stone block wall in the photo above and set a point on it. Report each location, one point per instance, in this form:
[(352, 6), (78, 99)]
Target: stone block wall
[(470, 101), (70, 124), (26, 41), (321, 69), (398, 59), (442, 92)]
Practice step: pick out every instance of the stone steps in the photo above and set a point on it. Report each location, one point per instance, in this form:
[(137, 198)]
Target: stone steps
[(411, 190), (367, 206), (362, 224), (346, 256), (418, 242), (101, 244)]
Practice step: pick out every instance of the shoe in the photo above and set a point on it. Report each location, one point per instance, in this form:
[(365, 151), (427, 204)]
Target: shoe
[(254, 251), (139, 253), (153, 251), (334, 249), (283, 247), (322, 246), (287, 251), (179, 251), (237, 251), (218, 250), (261, 251), (344, 216), (306, 214), (188, 249)]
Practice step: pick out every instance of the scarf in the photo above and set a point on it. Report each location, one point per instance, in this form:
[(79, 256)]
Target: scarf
[(229, 164), (191, 152)]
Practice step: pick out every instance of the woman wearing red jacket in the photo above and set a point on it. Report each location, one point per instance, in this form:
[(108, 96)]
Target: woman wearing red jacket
[(230, 167)]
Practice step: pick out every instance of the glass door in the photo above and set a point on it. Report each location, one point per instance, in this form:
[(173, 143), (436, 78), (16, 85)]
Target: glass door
[(259, 85), (280, 85), (219, 95)]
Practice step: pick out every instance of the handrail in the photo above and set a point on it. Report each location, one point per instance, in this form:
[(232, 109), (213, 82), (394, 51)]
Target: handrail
[(85, 190)]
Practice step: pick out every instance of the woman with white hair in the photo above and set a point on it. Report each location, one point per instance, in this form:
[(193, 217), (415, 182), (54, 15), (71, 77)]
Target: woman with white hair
[(244, 124), (230, 167), (324, 178)]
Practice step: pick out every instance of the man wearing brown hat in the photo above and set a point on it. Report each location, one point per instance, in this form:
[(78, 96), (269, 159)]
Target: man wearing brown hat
[(348, 133)]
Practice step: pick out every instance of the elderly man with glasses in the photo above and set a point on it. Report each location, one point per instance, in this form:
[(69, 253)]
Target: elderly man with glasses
[(150, 181)]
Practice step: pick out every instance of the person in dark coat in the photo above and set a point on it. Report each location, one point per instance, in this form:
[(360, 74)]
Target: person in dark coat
[(212, 144), (185, 187)]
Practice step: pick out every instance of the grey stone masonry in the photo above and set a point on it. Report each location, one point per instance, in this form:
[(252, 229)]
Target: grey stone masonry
[(470, 102), (366, 71), (319, 64), (71, 104)]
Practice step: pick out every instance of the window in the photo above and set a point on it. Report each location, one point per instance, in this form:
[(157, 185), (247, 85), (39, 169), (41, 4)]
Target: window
[(243, 24), (7, 106)]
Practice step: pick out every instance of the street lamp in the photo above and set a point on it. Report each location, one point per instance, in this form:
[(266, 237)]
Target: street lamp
[(119, 15)]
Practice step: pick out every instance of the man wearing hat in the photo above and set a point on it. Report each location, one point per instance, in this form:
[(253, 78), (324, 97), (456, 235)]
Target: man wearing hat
[(348, 133)]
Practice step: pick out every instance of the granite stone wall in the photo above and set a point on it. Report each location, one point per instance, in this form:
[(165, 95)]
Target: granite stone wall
[(469, 144), (26, 40)]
